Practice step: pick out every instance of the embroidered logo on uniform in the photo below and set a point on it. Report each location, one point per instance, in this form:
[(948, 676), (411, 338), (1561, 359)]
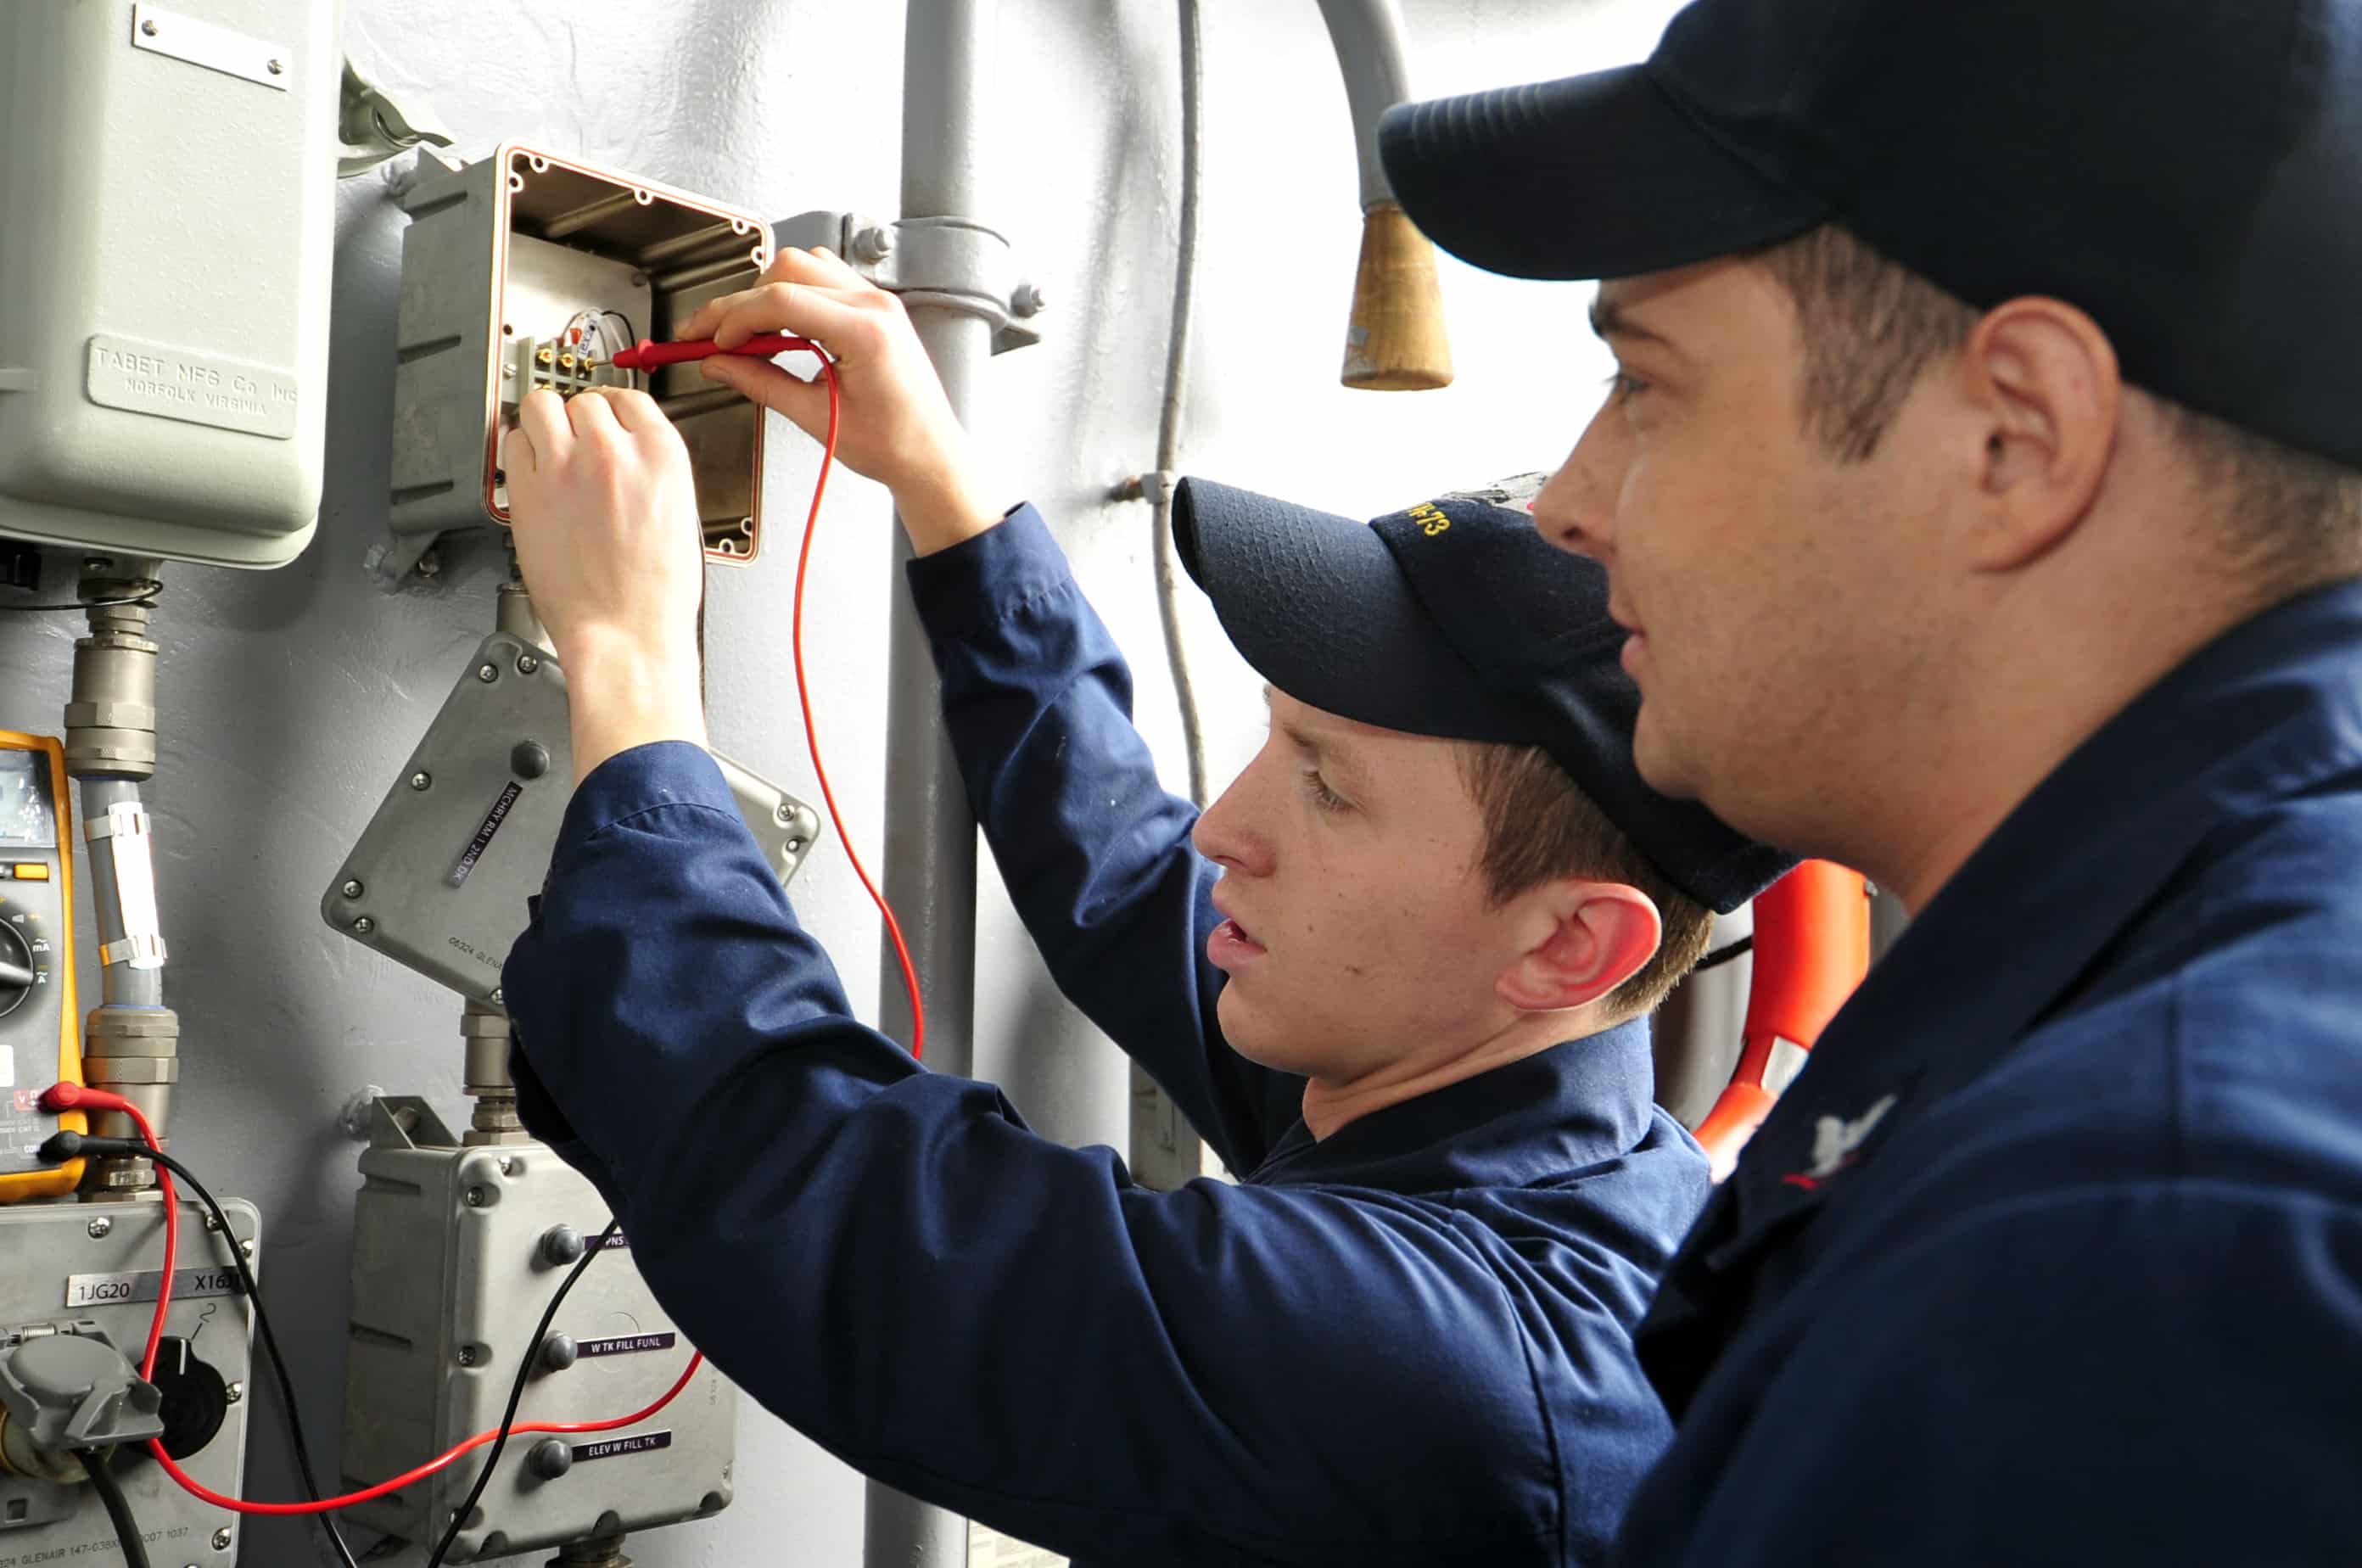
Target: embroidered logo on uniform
[(1836, 1141)]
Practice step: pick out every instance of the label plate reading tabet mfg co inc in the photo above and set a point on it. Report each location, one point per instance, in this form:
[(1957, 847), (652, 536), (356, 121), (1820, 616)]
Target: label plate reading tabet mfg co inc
[(203, 388), (126, 1289)]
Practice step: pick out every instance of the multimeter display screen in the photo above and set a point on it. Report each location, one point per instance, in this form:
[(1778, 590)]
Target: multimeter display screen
[(28, 818)]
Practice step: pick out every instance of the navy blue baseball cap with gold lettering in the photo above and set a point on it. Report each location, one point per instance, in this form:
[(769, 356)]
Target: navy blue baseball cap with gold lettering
[(1455, 618)]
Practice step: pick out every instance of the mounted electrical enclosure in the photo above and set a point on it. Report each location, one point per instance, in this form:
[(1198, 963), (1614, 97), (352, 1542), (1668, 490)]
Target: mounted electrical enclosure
[(439, 879), (528, 252), (169, 181), (91, 1271), (457, 1252)]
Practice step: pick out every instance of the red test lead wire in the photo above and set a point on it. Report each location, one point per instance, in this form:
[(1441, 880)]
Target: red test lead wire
[(648, 355), (811, 735), (76, 1097)]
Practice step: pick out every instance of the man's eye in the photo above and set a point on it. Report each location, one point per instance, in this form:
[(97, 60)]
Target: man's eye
[(1322, 796), (1623, 387)]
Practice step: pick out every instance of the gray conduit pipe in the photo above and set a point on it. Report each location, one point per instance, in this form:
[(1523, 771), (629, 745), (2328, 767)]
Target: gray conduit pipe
[(930, 836)]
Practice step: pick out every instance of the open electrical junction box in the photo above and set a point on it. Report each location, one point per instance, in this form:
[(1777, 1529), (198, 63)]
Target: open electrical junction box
[(527, 269)]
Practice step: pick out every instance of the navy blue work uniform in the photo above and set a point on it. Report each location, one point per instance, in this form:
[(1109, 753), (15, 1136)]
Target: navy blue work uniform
[(2054, 1252), (1406, 1343)]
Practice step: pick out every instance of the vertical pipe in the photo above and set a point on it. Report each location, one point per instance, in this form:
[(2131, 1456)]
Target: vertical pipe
[(930, 837)]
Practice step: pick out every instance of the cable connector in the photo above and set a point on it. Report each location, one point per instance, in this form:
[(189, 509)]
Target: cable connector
[(60, 1098), (59, 1147)]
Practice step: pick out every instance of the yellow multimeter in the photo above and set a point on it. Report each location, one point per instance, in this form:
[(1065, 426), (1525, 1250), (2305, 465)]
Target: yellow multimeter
[(38, 1042)]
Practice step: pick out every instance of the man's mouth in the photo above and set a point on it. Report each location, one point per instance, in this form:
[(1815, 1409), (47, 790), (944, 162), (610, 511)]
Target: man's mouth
[(1231, 945)]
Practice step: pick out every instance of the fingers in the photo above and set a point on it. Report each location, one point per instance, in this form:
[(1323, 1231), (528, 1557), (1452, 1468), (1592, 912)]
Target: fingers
[(803, 401), (517, 456), (541, 418), (820, 266), (634, 411), (593, 416)]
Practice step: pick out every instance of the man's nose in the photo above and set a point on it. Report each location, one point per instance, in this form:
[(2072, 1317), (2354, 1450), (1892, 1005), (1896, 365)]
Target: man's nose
[(1577, 510), (1225, 833)]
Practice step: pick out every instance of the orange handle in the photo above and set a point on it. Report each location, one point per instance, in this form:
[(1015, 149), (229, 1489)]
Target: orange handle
[(1812, 948)]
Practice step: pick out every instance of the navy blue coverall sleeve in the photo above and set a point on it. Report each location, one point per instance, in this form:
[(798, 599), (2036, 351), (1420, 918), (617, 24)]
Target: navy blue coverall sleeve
[(890, 1261), (1096, 855)]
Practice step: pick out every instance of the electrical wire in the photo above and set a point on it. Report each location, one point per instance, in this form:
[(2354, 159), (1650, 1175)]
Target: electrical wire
[(516, 1392), (72, 1097), (1176, 391), (66, 1146), (145, 599), (812, 733), (96, 1463)]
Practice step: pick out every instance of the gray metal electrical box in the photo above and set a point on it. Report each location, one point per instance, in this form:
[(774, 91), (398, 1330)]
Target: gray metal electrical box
[(529, 252), (91, 1269), (440, 877), (168, 181), (456, 1253)]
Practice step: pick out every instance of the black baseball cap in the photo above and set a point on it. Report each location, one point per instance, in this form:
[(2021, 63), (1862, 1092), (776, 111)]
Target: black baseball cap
[(1454, 618), (2185, 172)]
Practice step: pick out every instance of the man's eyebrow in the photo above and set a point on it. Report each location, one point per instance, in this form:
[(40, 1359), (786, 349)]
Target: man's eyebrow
[(1334, 753), (1610, 320)]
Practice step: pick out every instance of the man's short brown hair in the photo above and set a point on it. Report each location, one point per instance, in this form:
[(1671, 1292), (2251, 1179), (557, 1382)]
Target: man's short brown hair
[(1540, 825), (1870, 327)]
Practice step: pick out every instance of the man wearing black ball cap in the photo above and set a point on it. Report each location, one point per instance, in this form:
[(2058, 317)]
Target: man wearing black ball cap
[(1981, 492)]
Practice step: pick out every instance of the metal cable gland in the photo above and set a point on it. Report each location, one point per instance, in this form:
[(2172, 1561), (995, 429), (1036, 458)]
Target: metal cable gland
[(111, 712), (111, 715), (133, 1052)]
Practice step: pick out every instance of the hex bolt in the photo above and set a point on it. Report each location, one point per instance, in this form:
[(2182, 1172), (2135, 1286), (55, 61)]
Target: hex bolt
[(784, 816), (246, 1246), (527, 664), (1029, 300), (496, 996), (421, 779), (351, 890), (874, 244), (100, 1226), (508, 1164), (479, 1197), (467, 1355), (233, 1393), (148, 28), (364, 925), (487, 673), (276, 68), (212, 1223), (222, 1539)]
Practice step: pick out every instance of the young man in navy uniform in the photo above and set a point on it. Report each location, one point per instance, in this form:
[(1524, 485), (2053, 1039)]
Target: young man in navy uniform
[(1982, 492), (1400, 982)]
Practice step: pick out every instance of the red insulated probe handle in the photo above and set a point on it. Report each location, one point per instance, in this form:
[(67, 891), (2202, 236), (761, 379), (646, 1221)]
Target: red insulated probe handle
[(649, 355)]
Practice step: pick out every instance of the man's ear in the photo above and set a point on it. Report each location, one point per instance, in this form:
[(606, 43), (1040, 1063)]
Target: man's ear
[(1588, 938), (2045, 389)]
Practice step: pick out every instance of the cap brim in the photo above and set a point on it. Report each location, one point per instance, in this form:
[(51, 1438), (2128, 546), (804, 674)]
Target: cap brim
[(1316, 603), (1596, 176)]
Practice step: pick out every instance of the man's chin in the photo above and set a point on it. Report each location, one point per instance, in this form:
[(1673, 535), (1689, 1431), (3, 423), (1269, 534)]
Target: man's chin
[(1659, 765)]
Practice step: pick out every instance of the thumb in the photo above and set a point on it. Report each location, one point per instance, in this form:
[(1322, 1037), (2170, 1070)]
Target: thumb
[(805, 402)]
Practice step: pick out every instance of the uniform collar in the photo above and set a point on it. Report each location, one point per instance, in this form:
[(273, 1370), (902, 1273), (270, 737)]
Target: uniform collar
[(1575, 1105), (2265, 710)]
